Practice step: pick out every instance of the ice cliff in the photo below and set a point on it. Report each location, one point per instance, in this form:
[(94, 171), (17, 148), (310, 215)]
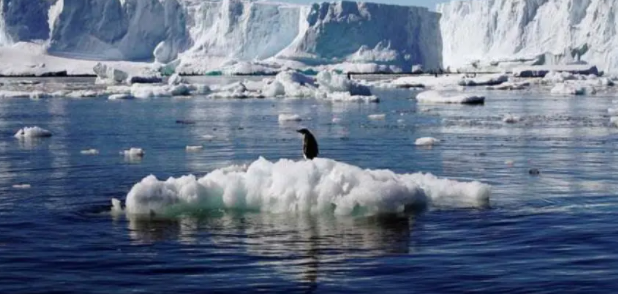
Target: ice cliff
[(545, 31), (222, 32)]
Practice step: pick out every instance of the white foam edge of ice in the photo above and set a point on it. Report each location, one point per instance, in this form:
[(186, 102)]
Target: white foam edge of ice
[(315, 186), (285, 117)]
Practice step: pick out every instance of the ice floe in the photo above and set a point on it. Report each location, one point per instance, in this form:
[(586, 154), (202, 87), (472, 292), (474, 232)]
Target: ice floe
[(33, 132), (315, 186)]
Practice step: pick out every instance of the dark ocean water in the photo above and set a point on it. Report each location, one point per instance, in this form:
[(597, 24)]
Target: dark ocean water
[(551, 233)]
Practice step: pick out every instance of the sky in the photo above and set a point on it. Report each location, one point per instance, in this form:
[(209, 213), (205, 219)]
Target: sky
[(427, 3)]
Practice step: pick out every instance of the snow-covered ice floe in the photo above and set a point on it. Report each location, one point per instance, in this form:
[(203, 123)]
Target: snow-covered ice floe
[(315, 186), (426, 141), (377, 116), (484, 80), (509, 86), (32, 132), (437, 97)]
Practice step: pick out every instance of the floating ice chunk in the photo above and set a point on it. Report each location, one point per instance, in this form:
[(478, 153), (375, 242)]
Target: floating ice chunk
[(32, 132), (509, 86), (336, 120), (426, 141), (133, 152), (144, 91), (437, 97), (180, 90), (236, 90), (199, 89), (22, 186), (108, 75), (116, 206), (509, 162), (330, 82), (568, 89), (319, 185), (510, 119), (89, 152), (289, 117), (614, 121), (378, 116), (208, 137), (120, 97), (190, 148), (290, 84), (82, 94), (347, 97), (487, 80)]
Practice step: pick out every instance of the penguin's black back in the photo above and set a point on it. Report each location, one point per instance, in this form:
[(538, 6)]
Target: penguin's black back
[(310, 146)]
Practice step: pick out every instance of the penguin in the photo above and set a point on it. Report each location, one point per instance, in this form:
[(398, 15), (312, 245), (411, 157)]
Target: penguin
[(310, 145)]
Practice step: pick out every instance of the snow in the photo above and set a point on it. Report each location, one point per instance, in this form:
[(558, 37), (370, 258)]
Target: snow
[(285, 117), (439, 97), (32, 132), (426, 141), (316, 186), (145, 91), (546, 32)]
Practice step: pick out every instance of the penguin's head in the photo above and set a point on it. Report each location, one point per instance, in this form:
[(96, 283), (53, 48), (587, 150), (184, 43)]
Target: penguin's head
[(303, 131)]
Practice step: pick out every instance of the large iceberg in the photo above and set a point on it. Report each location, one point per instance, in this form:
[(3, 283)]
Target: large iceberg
[(201, 36), (533, 31)]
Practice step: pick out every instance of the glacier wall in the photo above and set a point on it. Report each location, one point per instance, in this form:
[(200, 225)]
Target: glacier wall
[(222, 31), (368, 32), (570, 30), (115, 30)]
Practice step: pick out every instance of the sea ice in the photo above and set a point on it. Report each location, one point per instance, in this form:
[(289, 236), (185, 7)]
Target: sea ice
[(133, 152), (377, 116), (32, 132), (120, 97), (194, 148), (315, 186), (568, 89), (426, 141)]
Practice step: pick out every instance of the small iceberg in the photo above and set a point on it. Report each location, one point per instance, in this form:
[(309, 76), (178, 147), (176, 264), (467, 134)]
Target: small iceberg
[(426, 141), (32, 132)]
